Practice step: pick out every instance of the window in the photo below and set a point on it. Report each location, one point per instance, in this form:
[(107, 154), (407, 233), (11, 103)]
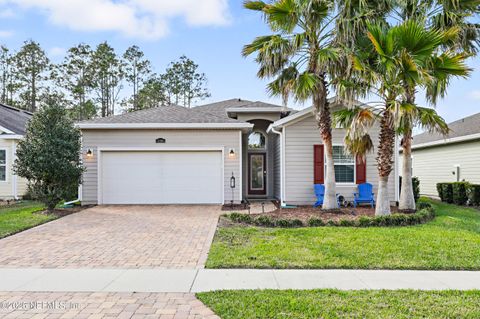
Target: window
[(256, 141), (344, 165), (3, 165)]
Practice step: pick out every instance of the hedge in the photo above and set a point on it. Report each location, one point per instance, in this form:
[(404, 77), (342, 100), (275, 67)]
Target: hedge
[(423, 215), (460, 193), (474, 194)]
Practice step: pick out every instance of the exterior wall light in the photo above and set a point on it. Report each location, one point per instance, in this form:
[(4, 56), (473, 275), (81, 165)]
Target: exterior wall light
[(231, 153), (89, 153)]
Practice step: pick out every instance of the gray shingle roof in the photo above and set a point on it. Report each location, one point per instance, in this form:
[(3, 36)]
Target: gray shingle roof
[(220, 108), (14, 119), (165, 114), (208, 113), (466, 126)]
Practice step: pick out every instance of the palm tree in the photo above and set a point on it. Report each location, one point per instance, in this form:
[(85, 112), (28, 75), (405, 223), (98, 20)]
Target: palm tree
[(299, 58), (461, 36), (392, 57)]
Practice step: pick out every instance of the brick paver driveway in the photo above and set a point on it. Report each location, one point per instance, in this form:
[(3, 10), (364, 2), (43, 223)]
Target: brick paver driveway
[(99, 305), (117, 237)]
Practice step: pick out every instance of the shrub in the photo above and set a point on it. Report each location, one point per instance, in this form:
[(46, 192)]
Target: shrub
[(422, 205), (364, 221), (416, 188), (288, 223), (315, 222), (347, 223), (424, 214), (440, 191), (459, 190), (447, 192), (49, 156), (332, 223), (264, 221), (297, 223), (474, 191), (241, 218)]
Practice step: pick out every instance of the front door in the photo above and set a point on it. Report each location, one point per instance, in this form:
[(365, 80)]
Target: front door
[(257, 174)]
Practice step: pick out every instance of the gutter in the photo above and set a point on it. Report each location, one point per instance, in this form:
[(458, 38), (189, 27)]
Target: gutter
[(164, 125), (14, 176), (397, 170), (447, 141)]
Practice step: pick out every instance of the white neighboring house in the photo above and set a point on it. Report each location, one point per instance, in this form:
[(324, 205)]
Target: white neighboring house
[(13, 122), (174, 155), (456, 157)]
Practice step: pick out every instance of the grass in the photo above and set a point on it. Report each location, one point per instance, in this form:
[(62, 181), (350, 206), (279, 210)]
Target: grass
[(343, 304), (21, 216), (450, 241)]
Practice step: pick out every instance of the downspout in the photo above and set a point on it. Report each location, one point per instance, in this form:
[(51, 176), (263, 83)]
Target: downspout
[(282, 197), (397, 171), (80, 189), (14, 176)]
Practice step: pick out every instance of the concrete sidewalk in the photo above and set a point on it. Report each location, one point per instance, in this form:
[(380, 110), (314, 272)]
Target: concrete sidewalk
[(197, 280)]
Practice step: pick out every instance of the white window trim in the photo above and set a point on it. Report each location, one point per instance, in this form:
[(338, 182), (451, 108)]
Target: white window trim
[(345, 164), (6, 164)]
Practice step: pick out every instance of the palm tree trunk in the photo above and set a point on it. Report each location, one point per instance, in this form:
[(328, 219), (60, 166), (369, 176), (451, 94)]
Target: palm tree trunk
[(324, 120), (384, 163), (407, 198)]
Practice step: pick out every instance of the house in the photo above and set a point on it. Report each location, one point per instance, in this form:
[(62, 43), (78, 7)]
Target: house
[(213, 154), (456, 157), (12, 129)]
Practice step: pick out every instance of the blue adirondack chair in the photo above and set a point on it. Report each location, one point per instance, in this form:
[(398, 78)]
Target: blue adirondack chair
[(320, 193), (364, 195)]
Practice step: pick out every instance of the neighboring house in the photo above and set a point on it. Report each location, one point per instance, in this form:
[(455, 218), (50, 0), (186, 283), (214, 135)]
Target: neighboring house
[(12, 129), (456, 157), (174, 155)]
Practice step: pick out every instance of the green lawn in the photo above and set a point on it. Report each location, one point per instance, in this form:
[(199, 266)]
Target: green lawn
[(343, 304), (18, 217), (450, 241)]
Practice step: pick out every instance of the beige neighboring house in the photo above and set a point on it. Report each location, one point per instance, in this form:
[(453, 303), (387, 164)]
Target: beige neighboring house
[(455, 157), (12, 129), (175, 155)]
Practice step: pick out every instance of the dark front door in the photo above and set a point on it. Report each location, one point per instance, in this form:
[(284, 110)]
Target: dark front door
[(257, 174)]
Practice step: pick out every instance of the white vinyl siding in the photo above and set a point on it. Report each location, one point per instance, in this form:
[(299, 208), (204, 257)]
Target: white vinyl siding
[(436, 164), (3, 164), (7, 186), (300, 137), (94, 139)]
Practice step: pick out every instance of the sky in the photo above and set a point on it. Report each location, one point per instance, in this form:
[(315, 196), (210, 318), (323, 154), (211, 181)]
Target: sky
[(210, 32)]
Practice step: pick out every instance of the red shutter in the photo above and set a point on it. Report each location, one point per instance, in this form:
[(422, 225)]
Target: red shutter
[(318, 166), (361, 170)]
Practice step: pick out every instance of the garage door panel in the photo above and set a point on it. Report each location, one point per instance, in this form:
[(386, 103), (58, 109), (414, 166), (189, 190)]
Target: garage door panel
[(161, 177)]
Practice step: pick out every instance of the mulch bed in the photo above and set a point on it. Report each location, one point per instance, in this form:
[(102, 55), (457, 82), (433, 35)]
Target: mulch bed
[(304, 213), (62, 212), (234, 207)]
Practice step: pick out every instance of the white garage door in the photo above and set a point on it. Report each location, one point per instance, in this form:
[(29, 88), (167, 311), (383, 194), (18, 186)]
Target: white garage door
[(161, 177)]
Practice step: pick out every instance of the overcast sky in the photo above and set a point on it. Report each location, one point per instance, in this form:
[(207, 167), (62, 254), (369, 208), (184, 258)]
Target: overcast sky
[(211, 32)]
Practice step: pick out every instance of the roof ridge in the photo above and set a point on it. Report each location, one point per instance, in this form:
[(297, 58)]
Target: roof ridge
[(16, 109), (223, 101), (217, 116)]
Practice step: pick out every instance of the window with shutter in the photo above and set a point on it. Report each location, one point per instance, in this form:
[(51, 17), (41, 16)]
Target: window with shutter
[(318, 164)]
